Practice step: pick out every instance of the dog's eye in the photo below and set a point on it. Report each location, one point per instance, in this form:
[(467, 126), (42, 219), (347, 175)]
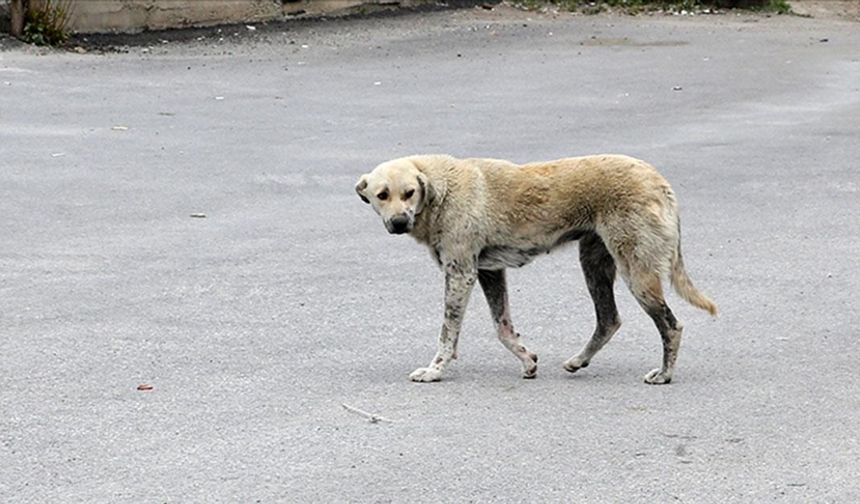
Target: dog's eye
[(383, 195), (408, 194)]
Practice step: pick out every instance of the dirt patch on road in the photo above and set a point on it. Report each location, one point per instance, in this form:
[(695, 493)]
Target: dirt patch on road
[(827, 9)]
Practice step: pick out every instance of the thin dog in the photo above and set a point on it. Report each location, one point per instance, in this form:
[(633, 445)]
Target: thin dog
[(480, 216)]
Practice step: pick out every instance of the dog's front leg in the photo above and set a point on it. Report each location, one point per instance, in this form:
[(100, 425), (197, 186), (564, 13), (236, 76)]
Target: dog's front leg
[(460, 276)]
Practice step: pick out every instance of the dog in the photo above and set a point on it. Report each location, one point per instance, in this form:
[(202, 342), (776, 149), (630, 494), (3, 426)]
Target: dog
[(481, 216)]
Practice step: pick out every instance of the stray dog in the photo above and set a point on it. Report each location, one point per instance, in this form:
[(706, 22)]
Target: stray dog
[(480, 216)]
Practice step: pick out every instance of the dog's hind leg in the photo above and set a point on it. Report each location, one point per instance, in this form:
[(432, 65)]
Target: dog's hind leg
[(495, 289), (648, 290), (599, 269)]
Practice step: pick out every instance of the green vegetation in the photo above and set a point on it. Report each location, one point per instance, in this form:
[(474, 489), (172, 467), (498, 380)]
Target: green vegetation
[(637, 6), (45, 24), (778, 6)]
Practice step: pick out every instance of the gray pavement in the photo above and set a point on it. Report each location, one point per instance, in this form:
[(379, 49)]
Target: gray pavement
[(253, 325)]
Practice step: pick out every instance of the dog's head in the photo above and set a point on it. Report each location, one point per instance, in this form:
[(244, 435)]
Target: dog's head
[(398, 191)]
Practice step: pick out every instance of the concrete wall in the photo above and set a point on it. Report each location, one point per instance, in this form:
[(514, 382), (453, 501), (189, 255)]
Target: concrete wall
[(94, 16)]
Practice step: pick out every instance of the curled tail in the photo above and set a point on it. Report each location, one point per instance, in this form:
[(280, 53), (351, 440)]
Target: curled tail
[(684, 285)]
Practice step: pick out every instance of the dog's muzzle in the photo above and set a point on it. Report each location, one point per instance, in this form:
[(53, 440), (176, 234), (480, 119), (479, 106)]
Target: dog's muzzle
[(399, 224)]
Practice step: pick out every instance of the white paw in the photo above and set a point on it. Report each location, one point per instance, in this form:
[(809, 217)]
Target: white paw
[(530, 366), (574, 364), (657, 377), (425, 375)]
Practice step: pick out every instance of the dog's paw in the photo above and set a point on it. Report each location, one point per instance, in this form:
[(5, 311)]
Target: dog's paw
[(425, 375), (530, 367), (658, 377), (574, 364)]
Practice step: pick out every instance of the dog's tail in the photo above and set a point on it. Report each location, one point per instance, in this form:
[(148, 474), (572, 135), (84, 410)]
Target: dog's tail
[(684, 285)]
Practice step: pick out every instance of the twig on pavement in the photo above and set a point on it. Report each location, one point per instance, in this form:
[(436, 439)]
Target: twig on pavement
[(372, 418)]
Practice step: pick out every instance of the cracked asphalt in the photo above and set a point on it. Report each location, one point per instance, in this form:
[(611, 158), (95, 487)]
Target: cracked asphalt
[(254, 324)]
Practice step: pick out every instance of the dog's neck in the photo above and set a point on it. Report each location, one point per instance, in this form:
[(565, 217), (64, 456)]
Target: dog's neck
[(421, 229)]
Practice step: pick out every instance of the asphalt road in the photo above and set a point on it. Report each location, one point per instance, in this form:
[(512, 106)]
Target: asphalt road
[(254, 324)]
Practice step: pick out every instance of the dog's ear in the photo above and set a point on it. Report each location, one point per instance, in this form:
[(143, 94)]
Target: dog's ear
[(433, 189), (427, 192), (360, 187)]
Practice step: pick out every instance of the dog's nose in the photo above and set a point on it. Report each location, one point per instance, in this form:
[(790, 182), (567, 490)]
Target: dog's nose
[(399, 224)]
